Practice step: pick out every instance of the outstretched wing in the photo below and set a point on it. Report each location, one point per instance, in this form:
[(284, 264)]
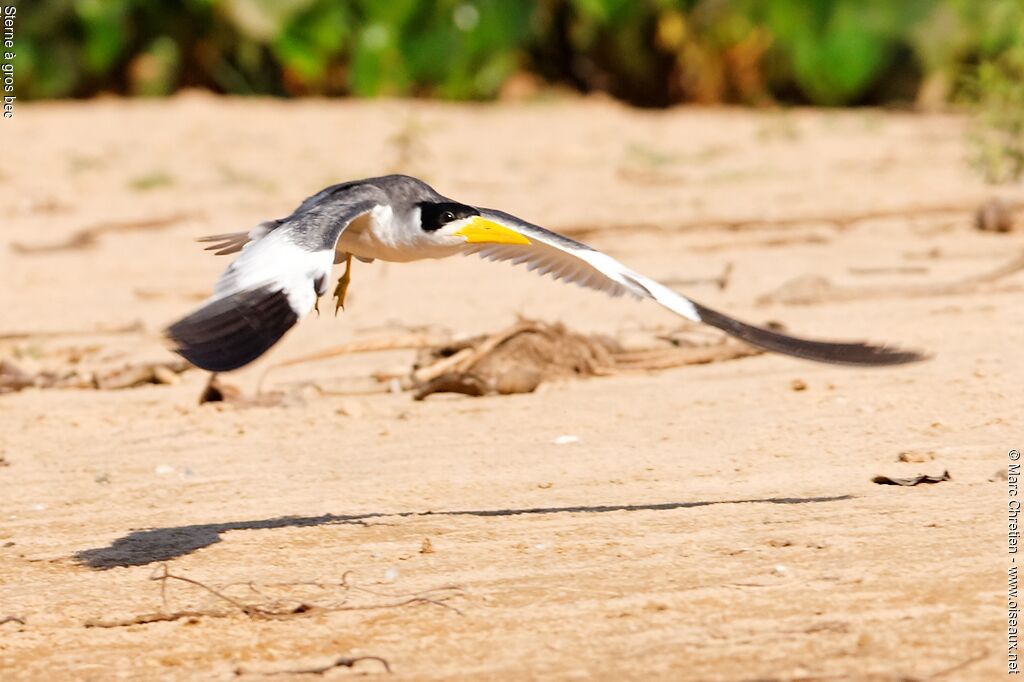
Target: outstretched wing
[(233, 242), (548, 252), (281, 270)]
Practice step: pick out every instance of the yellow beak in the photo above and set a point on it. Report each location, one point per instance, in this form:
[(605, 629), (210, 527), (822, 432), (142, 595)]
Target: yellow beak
[(483, 231)]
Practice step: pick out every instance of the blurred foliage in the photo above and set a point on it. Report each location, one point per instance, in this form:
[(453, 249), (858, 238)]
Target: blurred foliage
[(647, 52), (997, 136)]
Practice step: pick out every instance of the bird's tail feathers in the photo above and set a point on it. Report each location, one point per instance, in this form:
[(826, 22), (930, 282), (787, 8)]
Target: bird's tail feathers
[(224, 244), (233, 242)]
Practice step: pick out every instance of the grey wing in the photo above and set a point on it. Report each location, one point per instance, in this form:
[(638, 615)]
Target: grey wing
[(336, 200), (319, 221), (550, 253), (563, 258)]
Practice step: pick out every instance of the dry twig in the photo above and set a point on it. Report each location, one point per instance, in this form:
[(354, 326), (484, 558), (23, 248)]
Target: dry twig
[(13, 378), (839, 220), (814, 289), (436, 597), (89, 237), (721, 281), (960, 666), (133, 328), (401, 342), (410, 341), (341, 662)]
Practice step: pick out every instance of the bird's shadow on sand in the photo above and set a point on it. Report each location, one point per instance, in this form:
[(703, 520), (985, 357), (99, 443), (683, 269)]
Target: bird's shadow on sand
[(142, 547)]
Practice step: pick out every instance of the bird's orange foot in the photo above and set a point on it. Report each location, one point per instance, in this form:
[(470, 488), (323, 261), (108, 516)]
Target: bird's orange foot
[(343, 282)]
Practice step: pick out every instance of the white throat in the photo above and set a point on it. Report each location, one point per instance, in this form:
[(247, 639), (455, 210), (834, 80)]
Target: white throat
[(396, 237)]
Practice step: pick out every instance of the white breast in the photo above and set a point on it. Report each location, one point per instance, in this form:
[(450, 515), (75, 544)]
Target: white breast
[(380, 234)]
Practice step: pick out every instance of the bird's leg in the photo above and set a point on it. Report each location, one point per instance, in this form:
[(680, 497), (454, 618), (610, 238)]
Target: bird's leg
[(343, 282)]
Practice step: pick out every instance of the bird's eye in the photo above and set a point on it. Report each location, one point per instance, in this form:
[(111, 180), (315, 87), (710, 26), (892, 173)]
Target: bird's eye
[(435, 215)]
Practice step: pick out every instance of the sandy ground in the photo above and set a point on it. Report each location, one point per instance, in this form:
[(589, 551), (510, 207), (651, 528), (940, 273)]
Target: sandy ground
[(711, 522)]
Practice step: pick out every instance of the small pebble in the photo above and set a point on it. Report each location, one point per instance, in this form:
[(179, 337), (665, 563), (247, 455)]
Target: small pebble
[(163, 469), (798, 385), (164, 375), (351, 408), (915, 457), (994, 216), (565, 440), (391, 575)]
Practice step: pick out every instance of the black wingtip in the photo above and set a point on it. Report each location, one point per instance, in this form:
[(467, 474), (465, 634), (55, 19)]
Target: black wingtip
[(230, 332), (839, 353)]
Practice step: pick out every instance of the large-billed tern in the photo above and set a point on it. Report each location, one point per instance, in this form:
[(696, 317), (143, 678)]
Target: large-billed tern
[(284, 265)]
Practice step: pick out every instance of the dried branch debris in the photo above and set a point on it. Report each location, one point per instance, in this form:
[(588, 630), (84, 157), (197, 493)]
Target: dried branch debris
[(813, 289), (14, 378), (519, 358), (912, 480), (88, 237), (134, 328), (516, 359), (840, 220), (281, 607)]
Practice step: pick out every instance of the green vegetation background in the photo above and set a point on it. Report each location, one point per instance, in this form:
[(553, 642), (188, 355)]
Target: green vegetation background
[(646, 52)]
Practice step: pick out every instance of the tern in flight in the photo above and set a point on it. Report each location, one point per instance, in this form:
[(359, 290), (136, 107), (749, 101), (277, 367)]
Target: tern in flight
[(283, 267)]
